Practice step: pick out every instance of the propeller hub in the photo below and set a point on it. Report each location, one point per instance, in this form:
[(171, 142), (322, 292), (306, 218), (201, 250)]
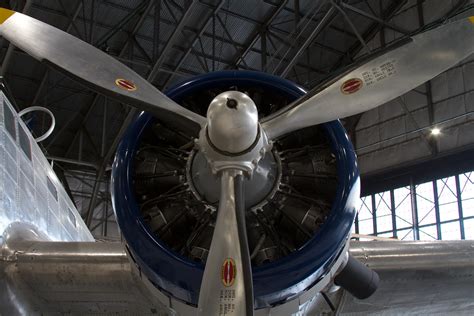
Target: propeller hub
[(232, 122)]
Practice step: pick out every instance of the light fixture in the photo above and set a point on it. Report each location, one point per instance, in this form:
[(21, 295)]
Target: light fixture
[(435, 131)]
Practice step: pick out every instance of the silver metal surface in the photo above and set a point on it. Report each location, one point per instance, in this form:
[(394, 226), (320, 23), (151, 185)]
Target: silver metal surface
[(416, 278), (30, 191), (379, 80), (246, 162), (232, 122), (45, 110), (257, 189), (85, 62), (414, 255), (221, 295), (72, 278)]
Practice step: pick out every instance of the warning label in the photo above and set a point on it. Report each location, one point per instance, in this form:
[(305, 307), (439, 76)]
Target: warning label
[(377, 74), (226, 302)]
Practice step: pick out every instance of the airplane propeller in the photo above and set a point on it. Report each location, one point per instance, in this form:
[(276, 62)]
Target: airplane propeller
[(90, 66), (227, 277), (378, 80)]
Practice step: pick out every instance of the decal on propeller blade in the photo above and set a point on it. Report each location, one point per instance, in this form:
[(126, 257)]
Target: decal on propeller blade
[(126, 84), (351, 85), (229, 270)]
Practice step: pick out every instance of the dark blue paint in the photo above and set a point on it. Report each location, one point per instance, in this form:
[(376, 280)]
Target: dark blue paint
[(274, 282)]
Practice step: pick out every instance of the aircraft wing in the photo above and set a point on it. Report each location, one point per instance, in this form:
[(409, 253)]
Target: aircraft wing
[(416, 278), (38, 277), (87, 277)]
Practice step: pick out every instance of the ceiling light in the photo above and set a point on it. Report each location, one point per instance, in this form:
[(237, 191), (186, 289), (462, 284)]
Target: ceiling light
[(435, 131)]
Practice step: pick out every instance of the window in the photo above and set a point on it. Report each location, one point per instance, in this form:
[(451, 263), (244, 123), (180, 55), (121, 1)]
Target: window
[(466, 183), (52, 189), (403, 214), (365, 216), (425, 203), (24, 141), (9, 120), (72, 217), (448, 207), (383, 212), (438, 209)]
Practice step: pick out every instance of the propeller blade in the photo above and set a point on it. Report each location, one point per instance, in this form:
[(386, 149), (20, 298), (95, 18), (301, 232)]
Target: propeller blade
[(90, 65), (227, 287), (379, 80)]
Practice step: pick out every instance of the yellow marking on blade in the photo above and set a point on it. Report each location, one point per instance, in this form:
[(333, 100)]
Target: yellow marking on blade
[(471, 18), (5, 14)]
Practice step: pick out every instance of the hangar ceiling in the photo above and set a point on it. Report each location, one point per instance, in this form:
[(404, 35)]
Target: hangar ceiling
[(305, 41)]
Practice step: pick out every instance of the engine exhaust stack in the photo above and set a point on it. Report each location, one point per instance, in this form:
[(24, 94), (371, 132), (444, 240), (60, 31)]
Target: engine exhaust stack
[(357, 279)]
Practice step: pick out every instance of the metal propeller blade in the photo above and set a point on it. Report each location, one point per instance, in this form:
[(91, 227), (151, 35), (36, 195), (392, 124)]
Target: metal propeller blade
[(227, 287), (379, 80), (91, 66)]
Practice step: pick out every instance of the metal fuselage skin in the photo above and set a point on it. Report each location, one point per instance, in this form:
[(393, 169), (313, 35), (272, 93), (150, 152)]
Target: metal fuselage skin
[(30, 192)]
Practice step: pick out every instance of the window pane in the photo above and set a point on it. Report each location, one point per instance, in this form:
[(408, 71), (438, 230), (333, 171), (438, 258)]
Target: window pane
[(383, 212), (425, 203), (428, 233), (52, 189), (405, 234), (448, 207), (9, 120), (72, 217), (403, 208), (365, 216), (450, 231), (469, 228), (24, 141), (466, 182)]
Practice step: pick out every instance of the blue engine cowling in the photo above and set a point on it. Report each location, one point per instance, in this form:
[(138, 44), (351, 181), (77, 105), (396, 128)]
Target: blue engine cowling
[(275, 282)]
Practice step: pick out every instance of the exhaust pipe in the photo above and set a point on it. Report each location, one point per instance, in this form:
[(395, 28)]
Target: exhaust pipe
[(357, 279)]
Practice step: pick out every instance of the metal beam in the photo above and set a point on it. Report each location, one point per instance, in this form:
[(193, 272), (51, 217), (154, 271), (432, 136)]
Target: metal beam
[(143, 6), (73, 161), (414, 211), (375, 18), (436, 209), (460, 208), (429, 95), (293, 37), (196, 39), (393, 213), (410, 116), (256, 35), (374, 214), (172, 39), (226, 32), (352, 26), (371, 31), (130, 117), (183, 49), (332, 27), (328, 17), (135, 29), (102, 169), (280, 59)]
